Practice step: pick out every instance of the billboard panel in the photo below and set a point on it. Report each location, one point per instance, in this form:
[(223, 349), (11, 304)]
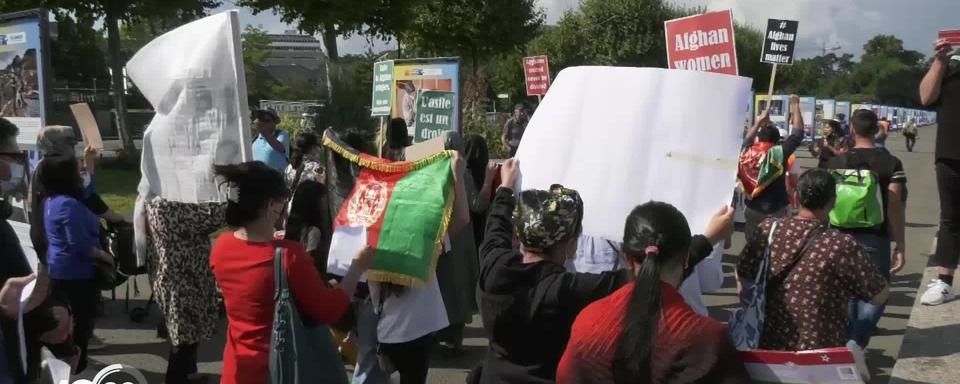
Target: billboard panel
[(24, 72)]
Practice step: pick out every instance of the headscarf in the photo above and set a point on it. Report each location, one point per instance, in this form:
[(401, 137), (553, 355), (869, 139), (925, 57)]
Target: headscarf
[(545, 218), (477, 156), (57, 142)]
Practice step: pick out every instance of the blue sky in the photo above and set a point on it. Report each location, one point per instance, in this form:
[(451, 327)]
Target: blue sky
[(847, 24)]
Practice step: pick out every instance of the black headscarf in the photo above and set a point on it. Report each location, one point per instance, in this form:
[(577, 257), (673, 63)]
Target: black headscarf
[(476, 154)]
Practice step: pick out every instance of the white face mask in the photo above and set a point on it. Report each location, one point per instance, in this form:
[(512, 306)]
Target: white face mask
[(17, 173)]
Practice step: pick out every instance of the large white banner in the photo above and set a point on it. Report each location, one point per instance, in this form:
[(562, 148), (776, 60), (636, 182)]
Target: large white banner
[(193, 76), (625, 136)]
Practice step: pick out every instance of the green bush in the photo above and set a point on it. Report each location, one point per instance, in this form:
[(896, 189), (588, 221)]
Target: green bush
[(475, 123)]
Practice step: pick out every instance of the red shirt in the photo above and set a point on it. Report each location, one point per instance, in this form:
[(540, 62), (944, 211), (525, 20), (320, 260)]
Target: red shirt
[(688, 347), (244, 272)]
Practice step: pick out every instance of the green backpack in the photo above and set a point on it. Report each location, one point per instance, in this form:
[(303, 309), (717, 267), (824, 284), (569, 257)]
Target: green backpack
[(859, 199)]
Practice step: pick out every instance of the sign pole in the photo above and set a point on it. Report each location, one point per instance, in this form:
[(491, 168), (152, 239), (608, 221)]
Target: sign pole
[(381, 138), (773, 77)]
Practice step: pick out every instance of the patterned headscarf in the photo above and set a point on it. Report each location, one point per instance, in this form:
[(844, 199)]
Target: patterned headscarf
[(545, 218), (57, 141)]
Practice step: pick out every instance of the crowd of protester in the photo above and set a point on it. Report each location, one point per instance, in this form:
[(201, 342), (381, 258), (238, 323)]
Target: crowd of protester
[(556, 305)]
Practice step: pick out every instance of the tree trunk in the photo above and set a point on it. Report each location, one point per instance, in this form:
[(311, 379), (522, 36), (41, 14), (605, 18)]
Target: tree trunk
[(117, 78), (330, 42)]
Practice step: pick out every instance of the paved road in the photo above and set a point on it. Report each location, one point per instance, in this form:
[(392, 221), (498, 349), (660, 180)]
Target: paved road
[(136, 344)]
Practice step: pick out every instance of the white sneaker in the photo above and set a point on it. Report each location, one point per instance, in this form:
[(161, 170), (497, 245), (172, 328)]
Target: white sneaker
[(937, 293)]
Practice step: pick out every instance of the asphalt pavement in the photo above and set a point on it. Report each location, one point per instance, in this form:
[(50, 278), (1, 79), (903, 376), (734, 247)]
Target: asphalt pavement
[(137, 344)]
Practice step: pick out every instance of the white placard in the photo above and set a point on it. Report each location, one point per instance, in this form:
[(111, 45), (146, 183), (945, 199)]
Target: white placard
[(625, 136), (344, 244)]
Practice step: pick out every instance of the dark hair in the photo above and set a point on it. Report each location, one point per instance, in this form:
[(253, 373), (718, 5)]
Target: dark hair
[(61, 177), (835, 126), (769, 134), (816, 188), (864, 123), (398, 137), (653, 224), (258, 184), (477, 155), (305, 143), (8, 133)]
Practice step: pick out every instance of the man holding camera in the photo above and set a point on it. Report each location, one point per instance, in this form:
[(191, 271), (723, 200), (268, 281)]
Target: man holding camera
[(271, 146)]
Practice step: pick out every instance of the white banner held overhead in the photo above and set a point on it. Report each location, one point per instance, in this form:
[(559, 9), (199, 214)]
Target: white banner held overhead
[(625, 136), (194, 78)]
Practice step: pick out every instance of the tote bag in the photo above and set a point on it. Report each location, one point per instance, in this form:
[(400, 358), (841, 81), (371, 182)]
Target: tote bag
[(299, 354), (746, 323)]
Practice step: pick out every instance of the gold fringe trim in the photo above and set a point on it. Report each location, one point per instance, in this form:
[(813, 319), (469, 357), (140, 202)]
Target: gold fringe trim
[(391, 167), (407, 280)]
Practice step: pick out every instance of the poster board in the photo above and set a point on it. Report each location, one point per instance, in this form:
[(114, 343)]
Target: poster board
[(702, 43), (434, 114), (779, 111), (89, 129), (628, 136), (843, 107), (831, 365), (808, 106), (25, 76), (382, 96), (414, 75), (779, 41), (536, 75)]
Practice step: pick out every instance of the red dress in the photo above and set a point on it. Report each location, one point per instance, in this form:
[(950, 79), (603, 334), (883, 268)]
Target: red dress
[(244, 272), (689, 348)]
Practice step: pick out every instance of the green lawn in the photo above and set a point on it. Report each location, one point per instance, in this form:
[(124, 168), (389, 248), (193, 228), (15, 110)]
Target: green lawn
[(118, 187)]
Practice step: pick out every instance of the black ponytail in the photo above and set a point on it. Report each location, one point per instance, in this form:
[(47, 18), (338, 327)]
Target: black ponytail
[(257, 185), (657, 236)]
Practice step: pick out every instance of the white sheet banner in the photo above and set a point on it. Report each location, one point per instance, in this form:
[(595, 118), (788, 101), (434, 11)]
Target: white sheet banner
[(625, 136), (193, 76)]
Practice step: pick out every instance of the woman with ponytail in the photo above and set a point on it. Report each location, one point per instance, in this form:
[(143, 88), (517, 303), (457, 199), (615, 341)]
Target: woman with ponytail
[(242, 261), (528, 300), (645, 332)]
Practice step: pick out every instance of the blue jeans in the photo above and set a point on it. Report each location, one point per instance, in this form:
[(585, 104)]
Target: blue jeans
[(367, 370), (862, 316)]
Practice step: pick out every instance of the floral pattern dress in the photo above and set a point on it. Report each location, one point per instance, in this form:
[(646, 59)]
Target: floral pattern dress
[(178, 263)]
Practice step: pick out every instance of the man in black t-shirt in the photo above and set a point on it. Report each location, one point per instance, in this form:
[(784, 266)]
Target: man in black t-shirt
[(940, 88), (876, 241)]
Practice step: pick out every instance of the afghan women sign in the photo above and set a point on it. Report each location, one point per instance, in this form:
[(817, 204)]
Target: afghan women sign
[(702, 43)]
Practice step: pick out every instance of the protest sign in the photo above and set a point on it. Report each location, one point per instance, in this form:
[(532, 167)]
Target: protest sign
[(382, 82), (702, 43), (536, 74), (412, 76), (25, 74), (779, 41), (635, 142), (951, 36), (434, 114), (832, 365), (88, 125), (426, 148), (193, 76)]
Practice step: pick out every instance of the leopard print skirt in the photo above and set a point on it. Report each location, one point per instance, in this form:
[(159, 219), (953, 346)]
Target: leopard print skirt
[(178, 263)]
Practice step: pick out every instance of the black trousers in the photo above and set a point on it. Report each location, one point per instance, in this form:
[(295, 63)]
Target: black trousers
[(911, 141), (948, 238), (83, 297), (411, 359), (181, 362)]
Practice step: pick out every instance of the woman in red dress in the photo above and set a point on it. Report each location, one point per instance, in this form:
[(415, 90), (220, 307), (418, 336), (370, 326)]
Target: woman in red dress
[(242, 261), (645, 332)]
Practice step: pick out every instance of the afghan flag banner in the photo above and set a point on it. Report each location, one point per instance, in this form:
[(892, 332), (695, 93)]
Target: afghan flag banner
[(400, 209), (760, 165)]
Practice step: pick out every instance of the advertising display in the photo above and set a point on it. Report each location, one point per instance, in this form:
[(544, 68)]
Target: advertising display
[(779, 111), (415, 75), (826, 109), (702, 43), (808, 106), (843, 107), (24, 72)]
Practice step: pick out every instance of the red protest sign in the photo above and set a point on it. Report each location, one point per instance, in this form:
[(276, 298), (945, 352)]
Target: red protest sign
[(536, 71), (702, 43), (951, 36)]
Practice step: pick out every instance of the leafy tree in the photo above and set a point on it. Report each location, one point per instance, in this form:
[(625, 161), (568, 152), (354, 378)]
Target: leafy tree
[(333, 18), (76, 56), (256, 49)]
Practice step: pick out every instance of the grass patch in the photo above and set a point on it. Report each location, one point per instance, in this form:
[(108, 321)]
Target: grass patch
[(117, 185)]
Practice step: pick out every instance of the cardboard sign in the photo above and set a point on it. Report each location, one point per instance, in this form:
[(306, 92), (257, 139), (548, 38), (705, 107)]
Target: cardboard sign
[(434, 114), (779, 41), (702, 43), (382, 95), (536, 73), (832, 365), (88, 125), (422, 150), (951, 36)]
